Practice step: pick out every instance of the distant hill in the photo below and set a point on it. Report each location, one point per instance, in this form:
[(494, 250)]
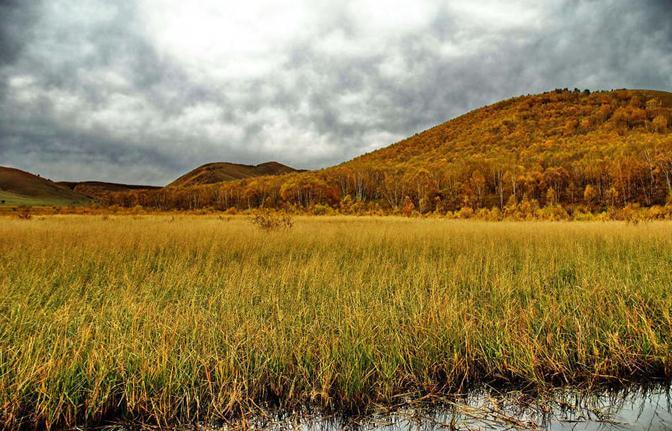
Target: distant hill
[(575, 149), (97, 189), (223, 171), (22, 188)]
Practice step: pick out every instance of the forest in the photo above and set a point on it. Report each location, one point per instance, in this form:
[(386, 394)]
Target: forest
[(562, 153)]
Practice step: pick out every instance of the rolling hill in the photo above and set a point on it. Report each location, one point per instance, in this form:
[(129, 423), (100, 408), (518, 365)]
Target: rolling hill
[(98, 189), (22, 188), (223, 171), (562, 150)]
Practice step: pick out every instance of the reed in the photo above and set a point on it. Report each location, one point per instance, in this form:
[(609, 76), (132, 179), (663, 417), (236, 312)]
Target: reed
[(169, 319)]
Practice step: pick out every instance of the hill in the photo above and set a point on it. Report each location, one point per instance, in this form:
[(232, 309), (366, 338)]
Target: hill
[(98, 189), (22, 188), (571, 149), (223, 171)]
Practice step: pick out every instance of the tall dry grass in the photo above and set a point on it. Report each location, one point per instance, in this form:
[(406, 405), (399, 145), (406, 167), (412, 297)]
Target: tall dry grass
[(168, 319)]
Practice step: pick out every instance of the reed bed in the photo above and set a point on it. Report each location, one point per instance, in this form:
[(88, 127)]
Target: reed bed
[(178, 319)]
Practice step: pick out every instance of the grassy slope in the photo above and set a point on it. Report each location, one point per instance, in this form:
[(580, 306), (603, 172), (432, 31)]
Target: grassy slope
[(12, 199), (95, 189), (22, 188), (224, 171), (190, 318)]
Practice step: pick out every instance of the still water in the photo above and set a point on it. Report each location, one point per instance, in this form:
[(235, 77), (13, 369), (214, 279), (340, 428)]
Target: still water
[(636, 409)]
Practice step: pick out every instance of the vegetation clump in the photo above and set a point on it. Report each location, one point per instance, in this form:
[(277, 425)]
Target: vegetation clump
[(270, 220), (23, 213)]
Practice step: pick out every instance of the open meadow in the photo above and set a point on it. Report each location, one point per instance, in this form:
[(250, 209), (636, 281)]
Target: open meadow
[(181, 318)]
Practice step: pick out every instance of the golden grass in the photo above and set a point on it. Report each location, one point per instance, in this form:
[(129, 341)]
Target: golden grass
[(169, 319)]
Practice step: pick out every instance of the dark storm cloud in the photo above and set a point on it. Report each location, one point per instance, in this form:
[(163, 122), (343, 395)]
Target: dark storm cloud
[(97, 90), (15, 21)]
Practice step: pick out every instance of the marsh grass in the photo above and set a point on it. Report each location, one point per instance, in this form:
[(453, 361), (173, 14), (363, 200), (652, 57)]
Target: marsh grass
[(180, 319)]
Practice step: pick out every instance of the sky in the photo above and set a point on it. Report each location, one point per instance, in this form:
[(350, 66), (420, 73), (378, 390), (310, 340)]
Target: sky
[(142, 91)]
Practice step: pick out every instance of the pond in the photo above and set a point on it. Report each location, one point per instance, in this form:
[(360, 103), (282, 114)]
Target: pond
[(634, 409)]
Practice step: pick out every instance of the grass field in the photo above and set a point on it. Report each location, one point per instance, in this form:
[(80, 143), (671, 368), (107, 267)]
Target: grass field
[(12, 199), (175, 319)]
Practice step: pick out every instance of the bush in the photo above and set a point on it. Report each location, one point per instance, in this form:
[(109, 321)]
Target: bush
[(269, 221), (320, 209), (631, 213), (465, 213), (495, 214), (408, 208), (24, 213), (581, 215), (552, 213), (655, 212)]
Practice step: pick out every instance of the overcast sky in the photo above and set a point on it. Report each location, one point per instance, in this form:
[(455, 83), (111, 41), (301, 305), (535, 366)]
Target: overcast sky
[(143, 90)]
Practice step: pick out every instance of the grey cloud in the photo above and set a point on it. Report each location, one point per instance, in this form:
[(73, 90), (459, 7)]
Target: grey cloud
[(16, 20), (118, 108)]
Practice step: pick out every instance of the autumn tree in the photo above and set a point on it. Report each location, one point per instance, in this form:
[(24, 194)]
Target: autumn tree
[(589, 194)]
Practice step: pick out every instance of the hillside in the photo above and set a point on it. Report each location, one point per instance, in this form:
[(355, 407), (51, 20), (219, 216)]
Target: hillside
[(22, 188), (549, 147), (223, 171), (574, 149), (98, 189)]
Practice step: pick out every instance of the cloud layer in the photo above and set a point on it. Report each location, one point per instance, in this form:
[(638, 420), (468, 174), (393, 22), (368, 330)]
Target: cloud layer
[(142, 91)]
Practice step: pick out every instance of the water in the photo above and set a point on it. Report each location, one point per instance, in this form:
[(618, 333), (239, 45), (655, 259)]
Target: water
[(634, 410)]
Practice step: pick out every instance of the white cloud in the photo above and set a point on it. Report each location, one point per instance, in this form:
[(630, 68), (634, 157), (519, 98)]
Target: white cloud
[(225, 39)]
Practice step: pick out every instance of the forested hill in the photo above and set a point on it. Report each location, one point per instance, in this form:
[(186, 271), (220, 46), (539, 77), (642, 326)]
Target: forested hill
[(568, 148)]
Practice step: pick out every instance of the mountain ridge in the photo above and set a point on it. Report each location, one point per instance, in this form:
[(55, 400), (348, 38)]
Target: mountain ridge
[(216, 172), (98, 189)]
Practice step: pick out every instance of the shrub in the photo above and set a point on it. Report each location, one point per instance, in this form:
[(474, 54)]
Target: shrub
[(408, 208), (660, 124), (552, 213), (482, 214), (466, 212), (345, 206), (269, 220), (24, 213), (581, 215), (320, 209), (495, 214), (424, 206), (631, 213)]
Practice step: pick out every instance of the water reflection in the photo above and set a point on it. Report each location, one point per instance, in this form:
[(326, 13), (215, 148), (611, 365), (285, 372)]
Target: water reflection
[(636, 409)]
